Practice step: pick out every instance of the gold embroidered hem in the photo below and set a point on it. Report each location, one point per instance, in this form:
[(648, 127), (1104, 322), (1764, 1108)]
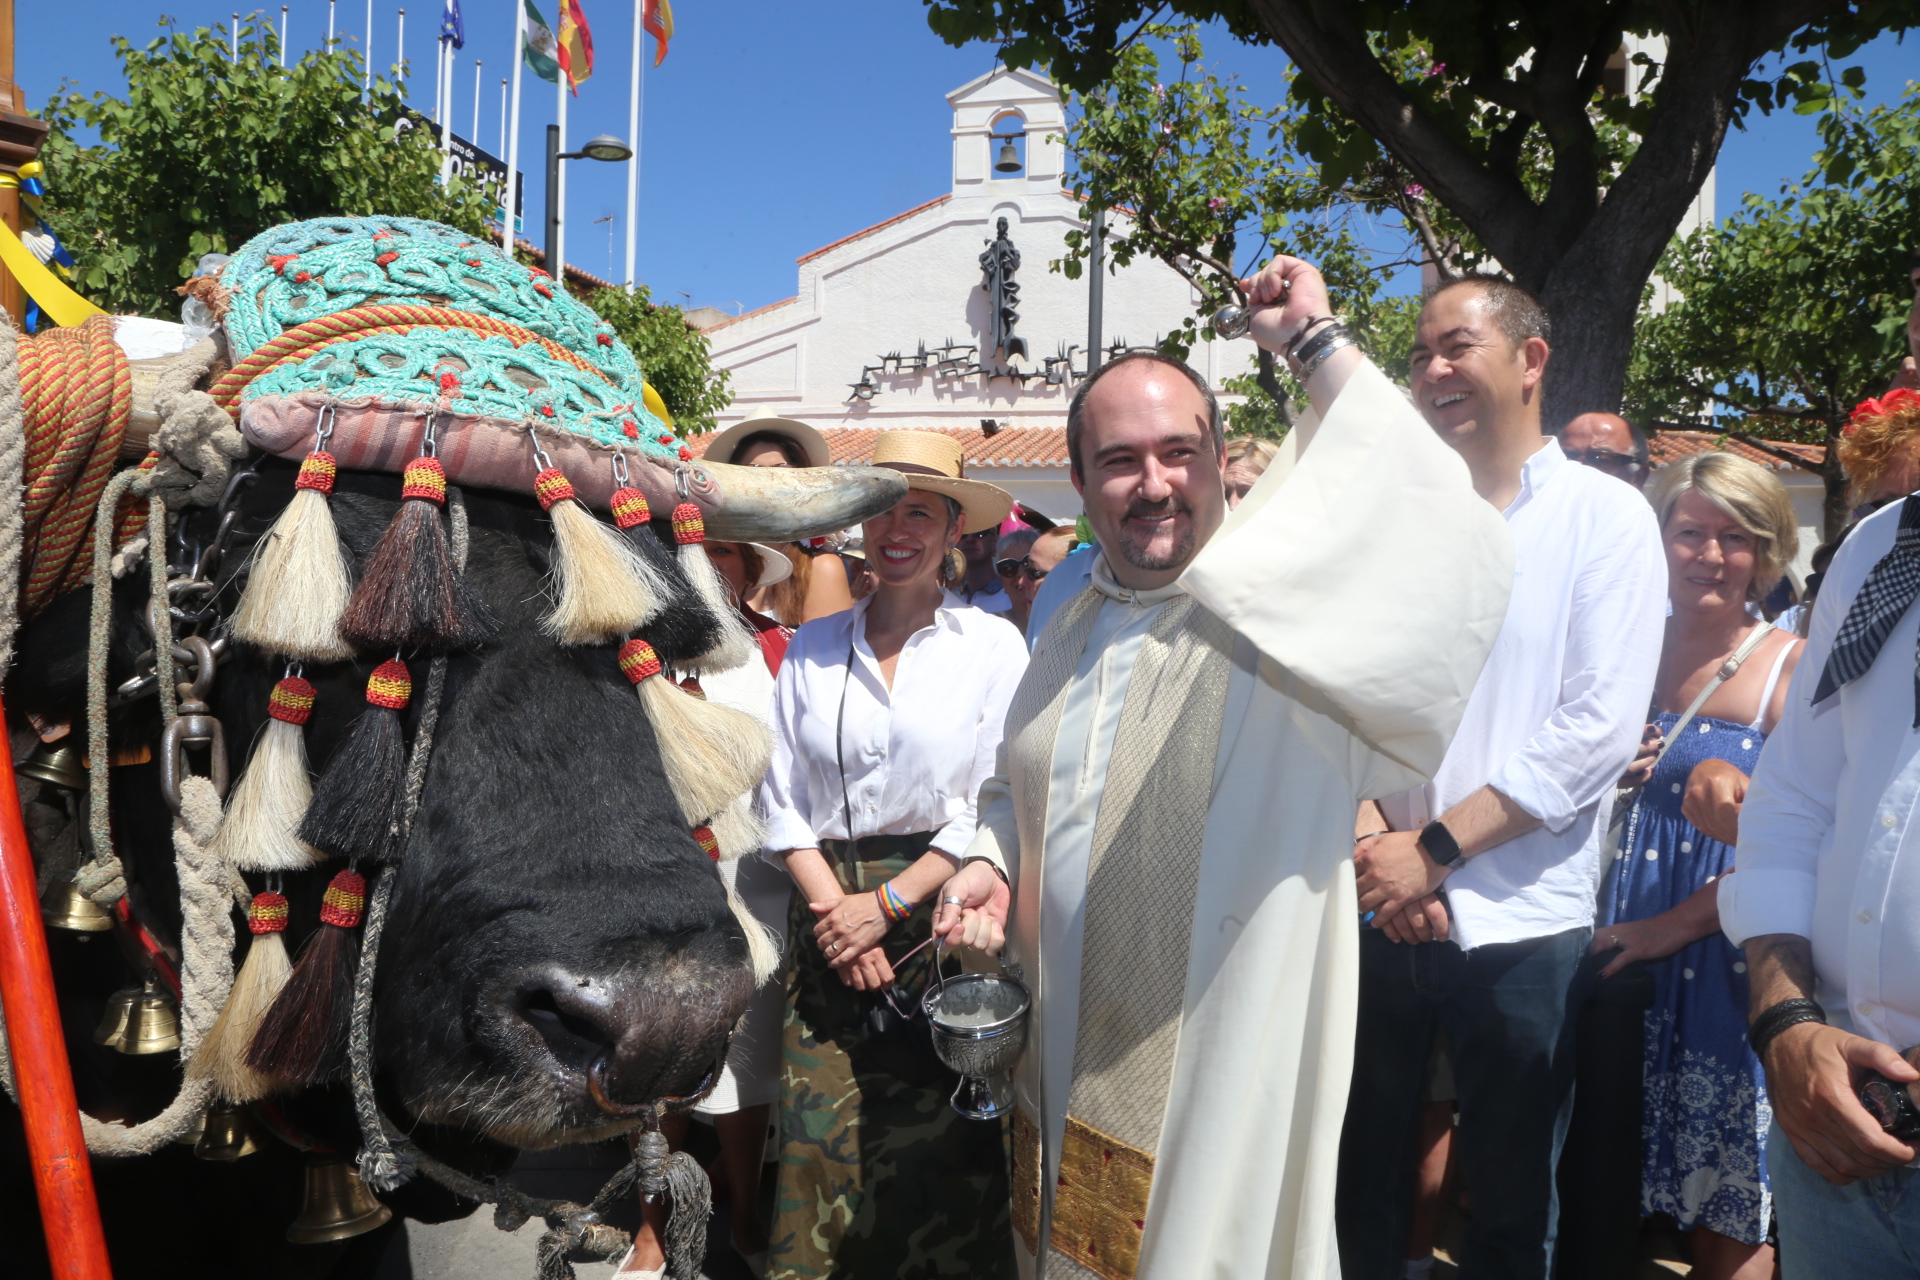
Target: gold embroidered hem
[(1026, 1181), (1100, 1201)]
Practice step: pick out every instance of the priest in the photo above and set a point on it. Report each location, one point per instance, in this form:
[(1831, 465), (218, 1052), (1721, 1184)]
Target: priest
[(1165, 855)]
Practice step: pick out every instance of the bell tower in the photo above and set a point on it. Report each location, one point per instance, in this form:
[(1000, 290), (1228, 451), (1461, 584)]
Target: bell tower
[(1006, 135)]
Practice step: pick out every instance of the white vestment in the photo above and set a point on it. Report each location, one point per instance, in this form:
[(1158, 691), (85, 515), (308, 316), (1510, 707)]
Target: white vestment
[(1364, 581)]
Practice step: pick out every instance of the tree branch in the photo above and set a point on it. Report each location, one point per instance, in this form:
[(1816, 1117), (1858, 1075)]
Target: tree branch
[(1773, 451)]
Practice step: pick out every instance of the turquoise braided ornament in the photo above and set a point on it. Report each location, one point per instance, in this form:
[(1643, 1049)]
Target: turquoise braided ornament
[(384, 370)]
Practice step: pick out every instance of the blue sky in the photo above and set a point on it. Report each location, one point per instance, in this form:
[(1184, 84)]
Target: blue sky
[(771, 129)]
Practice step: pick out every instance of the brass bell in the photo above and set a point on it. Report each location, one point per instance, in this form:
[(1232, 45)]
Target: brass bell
[(59, 766), (1009, 161), (337, 1206), (65, 907), (227, 1136), (139, 1020)]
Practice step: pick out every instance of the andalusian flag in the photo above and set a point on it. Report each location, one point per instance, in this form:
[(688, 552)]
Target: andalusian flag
[(657, 18), (541, 48), (576, 44)]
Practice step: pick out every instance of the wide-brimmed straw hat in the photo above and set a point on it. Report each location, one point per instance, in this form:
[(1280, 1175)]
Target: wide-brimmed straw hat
[(811, 442), (774, 565), (937, 463)]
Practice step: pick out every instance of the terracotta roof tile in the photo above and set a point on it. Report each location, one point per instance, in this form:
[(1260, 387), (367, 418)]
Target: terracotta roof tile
[(1008, 447), (748, 315), (878, 226), (1671, 446)]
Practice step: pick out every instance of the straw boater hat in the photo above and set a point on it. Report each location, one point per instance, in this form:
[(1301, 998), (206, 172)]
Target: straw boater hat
[(935, 462), (811, 442), (774, 565)]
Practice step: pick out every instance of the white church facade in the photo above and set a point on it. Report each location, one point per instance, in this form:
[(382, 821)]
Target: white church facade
[(892, 327)]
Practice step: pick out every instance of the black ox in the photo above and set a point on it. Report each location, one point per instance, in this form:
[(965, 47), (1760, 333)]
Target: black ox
[(552, 911)]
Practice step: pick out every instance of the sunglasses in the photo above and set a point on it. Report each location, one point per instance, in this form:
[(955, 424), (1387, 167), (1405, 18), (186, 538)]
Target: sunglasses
[(1013, 569), (1604, 458)]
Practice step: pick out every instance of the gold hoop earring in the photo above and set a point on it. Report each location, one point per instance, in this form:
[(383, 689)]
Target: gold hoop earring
[(955, 568)]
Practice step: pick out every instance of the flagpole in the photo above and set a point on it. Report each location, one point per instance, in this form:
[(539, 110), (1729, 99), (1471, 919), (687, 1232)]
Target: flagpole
[(446, 128), (366, 90), (512, 122), (502, 135), (283, 37), (400, 55), (476, 103), (633, 134), (558, 269)]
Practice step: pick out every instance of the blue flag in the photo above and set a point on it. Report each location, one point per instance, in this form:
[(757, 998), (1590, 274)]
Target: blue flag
[(453, 28)]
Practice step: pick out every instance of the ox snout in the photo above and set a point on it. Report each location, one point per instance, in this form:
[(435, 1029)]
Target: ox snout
[(620, 1045)]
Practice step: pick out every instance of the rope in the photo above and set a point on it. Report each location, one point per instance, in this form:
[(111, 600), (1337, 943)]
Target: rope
[(76, 391), (103, 879), (13, 454), (304, 340)]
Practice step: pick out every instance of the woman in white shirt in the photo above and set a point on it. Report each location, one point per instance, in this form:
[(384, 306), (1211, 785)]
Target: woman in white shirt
[(887, 718)]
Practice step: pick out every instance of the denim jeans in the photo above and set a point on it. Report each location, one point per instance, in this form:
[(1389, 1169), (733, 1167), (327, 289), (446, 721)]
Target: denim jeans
[(1503, 1010), (1866, 1230)]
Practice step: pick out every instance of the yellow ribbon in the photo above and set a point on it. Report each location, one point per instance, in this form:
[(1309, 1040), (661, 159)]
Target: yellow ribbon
[(63, 305)]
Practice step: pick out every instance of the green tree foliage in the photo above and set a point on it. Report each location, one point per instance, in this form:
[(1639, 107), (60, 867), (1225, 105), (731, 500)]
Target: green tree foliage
[(205, 152), (1191, 174), (1794, 310), (675, 359), (1502, 114)]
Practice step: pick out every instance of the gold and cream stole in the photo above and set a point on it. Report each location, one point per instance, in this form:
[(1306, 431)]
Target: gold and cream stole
[(1142, 878)]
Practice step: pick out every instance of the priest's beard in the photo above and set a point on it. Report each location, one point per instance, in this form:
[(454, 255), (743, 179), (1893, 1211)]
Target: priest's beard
[(1158, 558)]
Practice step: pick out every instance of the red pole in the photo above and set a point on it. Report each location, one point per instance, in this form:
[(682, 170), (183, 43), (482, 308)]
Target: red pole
[(61, 1172)]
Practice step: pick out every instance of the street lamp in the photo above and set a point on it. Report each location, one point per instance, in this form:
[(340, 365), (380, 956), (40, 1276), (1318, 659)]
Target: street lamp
[(605, 147)]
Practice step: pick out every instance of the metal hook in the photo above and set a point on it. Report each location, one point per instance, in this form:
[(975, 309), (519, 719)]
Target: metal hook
[(620, 474), (323, 427), (681, 483), (540, 457), (429, 444)]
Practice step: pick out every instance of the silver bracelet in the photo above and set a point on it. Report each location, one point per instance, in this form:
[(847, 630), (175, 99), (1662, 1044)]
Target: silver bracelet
[(1320, 357)]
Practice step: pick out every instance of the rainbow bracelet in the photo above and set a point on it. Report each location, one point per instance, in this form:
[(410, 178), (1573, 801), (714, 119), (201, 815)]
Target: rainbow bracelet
[(894, 907)]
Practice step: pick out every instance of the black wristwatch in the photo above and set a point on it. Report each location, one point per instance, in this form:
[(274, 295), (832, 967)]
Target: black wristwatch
[(1441, 846), (1889, 1102)]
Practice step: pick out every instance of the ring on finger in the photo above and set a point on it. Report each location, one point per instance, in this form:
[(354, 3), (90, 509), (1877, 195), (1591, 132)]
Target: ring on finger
[(953, 900)]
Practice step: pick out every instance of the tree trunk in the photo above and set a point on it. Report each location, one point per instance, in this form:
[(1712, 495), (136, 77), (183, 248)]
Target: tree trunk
[(1835, 508)]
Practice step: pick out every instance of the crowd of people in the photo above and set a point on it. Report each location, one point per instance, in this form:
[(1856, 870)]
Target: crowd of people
[(1621, 806)]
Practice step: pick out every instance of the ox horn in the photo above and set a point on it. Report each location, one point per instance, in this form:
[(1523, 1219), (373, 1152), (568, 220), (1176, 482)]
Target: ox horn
[(782, 504)]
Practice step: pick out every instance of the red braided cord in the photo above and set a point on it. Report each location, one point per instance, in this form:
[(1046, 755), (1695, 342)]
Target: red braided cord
[(76, 390), (315, 335)]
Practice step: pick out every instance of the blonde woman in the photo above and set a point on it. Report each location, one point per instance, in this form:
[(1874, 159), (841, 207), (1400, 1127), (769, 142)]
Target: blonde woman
[(1730, 532), (887, 718)]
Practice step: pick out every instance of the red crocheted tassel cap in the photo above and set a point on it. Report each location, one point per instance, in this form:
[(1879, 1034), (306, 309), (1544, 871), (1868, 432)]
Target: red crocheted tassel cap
[(638, 660), (630, 508), (268, 914), (424, 478), (552, 486), (317, 471), (291, 700), (345, 900), (689, 526), (708, 845), (390, 685)]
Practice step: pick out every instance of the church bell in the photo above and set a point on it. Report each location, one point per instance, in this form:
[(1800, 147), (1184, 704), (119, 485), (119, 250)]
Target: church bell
[(139, 1020), (65, 907), (227, 1136), (60, 766), (1009, 161), (338, 1205)]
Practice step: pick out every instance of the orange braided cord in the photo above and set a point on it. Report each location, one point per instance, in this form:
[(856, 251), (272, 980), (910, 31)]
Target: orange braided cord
[(304, 340), (76, 390)]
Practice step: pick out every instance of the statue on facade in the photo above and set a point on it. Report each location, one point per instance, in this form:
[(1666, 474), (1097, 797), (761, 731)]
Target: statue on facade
[(997, 265)]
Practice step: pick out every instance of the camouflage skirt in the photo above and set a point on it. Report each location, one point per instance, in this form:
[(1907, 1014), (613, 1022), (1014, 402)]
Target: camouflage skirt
[(879, 1177)]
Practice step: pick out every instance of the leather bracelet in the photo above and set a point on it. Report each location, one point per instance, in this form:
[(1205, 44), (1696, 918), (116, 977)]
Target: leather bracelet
[(991, 863), (1320, 357), (1317, 343), (1301, 335), (1777, 1018)]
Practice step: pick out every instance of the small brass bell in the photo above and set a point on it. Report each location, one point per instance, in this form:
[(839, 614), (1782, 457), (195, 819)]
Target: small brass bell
[(139, 1020), (337, 1206), (227, 1136), (65, 907), (59, 766)]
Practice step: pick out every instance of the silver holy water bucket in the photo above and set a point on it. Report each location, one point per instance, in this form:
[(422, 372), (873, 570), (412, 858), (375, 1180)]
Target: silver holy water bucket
[(979, 1023)]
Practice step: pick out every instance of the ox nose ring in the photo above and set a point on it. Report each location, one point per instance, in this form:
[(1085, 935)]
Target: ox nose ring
[(597, 1090)]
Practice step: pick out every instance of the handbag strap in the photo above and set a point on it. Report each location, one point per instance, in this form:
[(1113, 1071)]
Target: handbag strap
[(1720, 677)]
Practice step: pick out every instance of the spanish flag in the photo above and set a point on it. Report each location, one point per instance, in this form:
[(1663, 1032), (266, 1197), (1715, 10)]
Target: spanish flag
[(576, 44), (657, 19)]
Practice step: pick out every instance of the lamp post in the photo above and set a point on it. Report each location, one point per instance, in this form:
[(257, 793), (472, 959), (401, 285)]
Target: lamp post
[(605, 147)]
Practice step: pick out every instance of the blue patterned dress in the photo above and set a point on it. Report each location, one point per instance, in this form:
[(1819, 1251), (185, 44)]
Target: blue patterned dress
[(1704, 1130)]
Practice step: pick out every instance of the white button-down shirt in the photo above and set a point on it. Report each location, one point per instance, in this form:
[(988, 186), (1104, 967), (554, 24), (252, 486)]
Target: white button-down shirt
[(915, 755), (1557, 713), (1829, 844)]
